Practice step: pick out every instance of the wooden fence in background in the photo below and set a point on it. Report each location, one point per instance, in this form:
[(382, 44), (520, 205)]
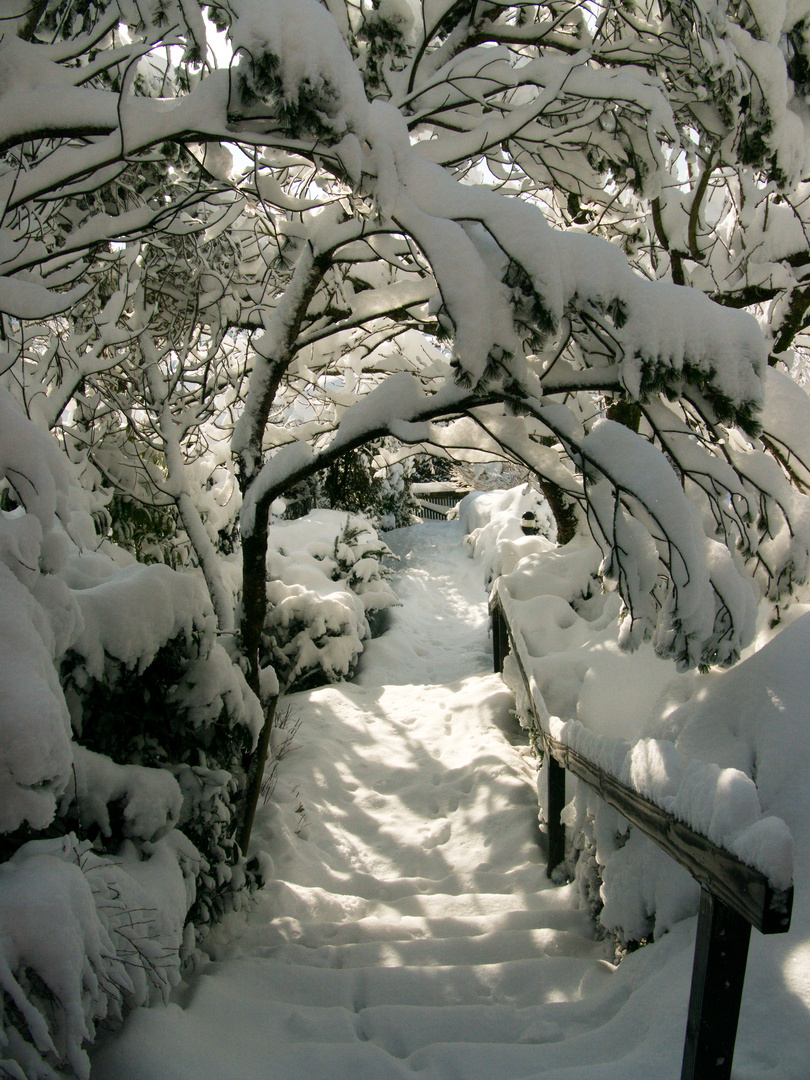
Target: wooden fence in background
[(435, 501)]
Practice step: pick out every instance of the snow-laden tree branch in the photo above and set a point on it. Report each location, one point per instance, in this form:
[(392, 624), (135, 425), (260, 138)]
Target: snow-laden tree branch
[(526, 181)]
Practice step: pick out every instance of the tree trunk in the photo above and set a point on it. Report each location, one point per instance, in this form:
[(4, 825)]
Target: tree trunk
[(255, 775), (268, 372)]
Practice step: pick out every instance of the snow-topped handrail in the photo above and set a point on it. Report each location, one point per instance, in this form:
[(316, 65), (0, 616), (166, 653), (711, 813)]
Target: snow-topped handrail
[(746, 888), (734, 894)]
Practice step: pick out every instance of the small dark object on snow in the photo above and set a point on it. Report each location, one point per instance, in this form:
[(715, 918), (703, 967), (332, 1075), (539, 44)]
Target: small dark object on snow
[(529, 524)]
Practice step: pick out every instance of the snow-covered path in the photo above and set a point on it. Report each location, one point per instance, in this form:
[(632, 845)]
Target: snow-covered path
[(410, 926), (439, 634)]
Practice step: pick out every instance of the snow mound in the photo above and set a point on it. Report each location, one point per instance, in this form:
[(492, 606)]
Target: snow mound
[(706, 748)]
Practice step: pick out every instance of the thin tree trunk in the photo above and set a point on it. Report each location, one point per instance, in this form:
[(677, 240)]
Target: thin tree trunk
[(255, 775), (269, 369)]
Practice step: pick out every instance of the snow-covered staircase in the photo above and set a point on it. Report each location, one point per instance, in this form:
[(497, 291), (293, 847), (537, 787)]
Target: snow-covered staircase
[(405, 997), (409, 926)]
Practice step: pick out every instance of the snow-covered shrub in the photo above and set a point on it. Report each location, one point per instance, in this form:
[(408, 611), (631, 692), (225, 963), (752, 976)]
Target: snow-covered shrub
[(396, 506), (179, 704), (326, 581), (122, 729), (115, 928)]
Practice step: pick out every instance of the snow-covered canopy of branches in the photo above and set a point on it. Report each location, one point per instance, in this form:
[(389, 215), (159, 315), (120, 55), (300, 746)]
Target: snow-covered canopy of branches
[(598, 206)]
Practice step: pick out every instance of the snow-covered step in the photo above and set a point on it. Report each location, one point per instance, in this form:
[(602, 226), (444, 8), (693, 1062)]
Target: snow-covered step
[(473, 904), (520, 881), (401, 1030), (415, 928), (312, 903), (258, 1056), (521, 983), (229, 1025), (493, 948)]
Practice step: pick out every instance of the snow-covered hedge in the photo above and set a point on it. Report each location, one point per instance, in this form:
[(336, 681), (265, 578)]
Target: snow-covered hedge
[(164, 694), (85, 937), (122, 729), (631, 713), (325, 585)]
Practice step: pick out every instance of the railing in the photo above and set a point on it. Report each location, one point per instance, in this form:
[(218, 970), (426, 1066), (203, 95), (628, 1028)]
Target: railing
[(733, 896)]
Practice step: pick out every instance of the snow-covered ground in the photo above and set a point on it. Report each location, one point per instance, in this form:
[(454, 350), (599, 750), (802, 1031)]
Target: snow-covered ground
[(410, 926), (440, 633)]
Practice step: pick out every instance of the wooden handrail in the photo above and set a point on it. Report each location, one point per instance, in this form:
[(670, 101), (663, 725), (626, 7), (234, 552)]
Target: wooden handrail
[(734, 896)]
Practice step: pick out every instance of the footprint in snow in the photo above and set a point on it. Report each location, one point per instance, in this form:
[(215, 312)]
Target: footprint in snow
[(439, 836)]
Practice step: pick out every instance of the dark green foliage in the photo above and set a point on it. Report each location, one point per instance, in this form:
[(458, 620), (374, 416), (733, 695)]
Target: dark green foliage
[(579, 215), (426, 469), (384, 46), (68, 18), (149, 532), (350, 484), (258, 80), (798, 61), (624, 412), (661, 378), (302, 498), (453, 16), (141, 718), (8, 498), (533, 321), (396, 505)]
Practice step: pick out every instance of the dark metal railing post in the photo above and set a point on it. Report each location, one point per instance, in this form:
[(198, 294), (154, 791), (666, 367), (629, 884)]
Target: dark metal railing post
[(500, 637), (718, 975), (556, 805)]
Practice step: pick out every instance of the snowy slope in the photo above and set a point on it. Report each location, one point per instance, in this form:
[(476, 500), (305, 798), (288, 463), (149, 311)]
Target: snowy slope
[(410, 927)]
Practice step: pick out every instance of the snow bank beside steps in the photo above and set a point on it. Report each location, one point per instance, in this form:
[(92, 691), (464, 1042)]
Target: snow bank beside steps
[(96, 877), (725, 752)]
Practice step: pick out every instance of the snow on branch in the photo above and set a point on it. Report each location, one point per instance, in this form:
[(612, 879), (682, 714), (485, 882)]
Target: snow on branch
[(399, 405), (31, 462), (705, 613)]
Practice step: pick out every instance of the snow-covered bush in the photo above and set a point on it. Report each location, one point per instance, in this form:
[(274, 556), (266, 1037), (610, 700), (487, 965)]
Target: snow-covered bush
[(325, 583), (358, 483), (121, 738), (396, 505), (186, 710), (116, 926)]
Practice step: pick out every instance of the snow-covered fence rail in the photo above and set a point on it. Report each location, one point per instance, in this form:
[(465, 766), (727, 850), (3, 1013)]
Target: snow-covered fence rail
[(436, 500), (734, 896)]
